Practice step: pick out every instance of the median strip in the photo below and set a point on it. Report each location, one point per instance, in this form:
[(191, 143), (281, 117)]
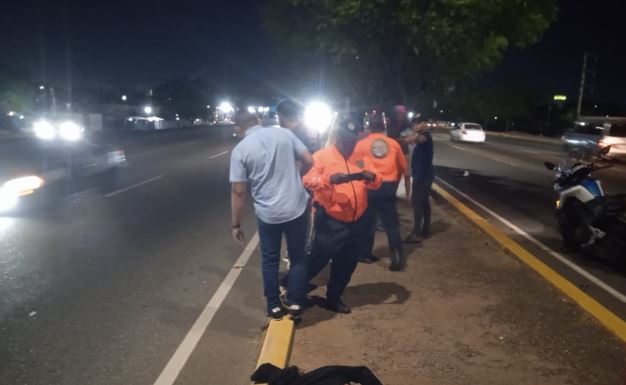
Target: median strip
[(611, 321)]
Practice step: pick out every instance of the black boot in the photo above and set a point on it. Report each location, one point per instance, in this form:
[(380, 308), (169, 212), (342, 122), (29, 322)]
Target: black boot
[(398, 263)]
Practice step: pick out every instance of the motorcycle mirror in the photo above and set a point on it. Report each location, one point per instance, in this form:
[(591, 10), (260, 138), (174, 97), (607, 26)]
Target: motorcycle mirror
[(550, 166), (605, 150)]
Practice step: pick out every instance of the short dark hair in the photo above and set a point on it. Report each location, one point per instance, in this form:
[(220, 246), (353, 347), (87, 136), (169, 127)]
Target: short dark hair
[(289, 109)]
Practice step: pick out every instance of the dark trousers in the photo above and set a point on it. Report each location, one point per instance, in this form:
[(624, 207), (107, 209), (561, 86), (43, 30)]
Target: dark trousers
[(337, 242), (382, 204), (421, 204), (270, 237)]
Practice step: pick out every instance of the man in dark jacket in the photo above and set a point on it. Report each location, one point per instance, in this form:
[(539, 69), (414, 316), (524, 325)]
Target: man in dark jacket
[(423, 174)]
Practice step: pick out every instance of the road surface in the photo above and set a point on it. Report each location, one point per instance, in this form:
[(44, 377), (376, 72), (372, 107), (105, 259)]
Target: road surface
[(103, 289), (506, 178)]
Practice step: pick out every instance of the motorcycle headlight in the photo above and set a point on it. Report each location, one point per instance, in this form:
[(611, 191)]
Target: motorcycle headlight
[(44, 130), (70, 131)]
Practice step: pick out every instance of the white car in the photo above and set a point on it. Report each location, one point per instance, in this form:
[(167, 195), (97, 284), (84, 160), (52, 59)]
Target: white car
[(468, 132)]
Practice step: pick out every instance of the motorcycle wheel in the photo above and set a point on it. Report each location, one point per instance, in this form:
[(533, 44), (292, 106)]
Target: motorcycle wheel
[(569, 229)]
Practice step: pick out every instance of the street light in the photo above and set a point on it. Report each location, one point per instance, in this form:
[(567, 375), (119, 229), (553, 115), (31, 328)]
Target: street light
[(42, 87), (318, 117), (226, 107), (124, 98), (148, 110)]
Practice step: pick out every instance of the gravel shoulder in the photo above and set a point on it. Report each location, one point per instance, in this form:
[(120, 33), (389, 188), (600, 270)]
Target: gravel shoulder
[(464, 312)]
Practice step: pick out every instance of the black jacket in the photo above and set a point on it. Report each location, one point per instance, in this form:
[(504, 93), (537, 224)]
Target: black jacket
[(328, 375)]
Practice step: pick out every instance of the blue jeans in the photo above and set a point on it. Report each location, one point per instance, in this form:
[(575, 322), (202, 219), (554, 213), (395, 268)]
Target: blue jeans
[(270, 236)]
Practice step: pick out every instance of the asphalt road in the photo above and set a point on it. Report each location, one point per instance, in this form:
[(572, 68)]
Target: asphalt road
[(104, 288), (508, 179)]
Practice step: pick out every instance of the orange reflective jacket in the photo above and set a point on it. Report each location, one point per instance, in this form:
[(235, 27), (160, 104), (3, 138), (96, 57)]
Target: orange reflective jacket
[(386, 155), (344, 202)]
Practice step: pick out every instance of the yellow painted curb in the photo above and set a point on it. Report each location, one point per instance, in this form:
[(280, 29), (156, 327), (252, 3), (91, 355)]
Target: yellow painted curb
[(605, 316), (277, 344)]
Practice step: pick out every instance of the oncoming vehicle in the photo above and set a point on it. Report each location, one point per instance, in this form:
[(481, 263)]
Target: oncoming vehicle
[(467, 132), (587, 218), (593, 134), (35, 172)]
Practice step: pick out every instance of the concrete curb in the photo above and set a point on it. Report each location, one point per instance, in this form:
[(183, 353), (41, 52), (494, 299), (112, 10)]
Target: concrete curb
[(610, 321), (277, 344)]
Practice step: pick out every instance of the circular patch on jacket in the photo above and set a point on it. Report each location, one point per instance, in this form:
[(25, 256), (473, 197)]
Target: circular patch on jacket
[(360, 164), (380, 148)]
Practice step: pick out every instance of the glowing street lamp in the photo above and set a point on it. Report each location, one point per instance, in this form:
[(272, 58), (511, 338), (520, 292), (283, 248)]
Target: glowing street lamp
[(318, 117), (148, 110), (226, 107), (124, 98)]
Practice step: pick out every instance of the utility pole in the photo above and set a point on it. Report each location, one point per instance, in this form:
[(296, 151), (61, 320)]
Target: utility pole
[(581, 91)]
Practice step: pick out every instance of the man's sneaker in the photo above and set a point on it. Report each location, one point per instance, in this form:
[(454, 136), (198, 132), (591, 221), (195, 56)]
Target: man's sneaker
[(369, 259), (338, 306), (276, 313), (295, 311), (413, 238)]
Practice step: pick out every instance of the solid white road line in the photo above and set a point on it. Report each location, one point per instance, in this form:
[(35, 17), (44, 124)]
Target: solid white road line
[(114, 193), (183, 352), (218, 155), (485, 155), (621, 297)]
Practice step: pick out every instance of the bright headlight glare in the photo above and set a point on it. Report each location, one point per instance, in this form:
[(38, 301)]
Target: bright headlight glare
[(44, 130), (22, 186), (8, 200), (318, 117), (70, 131)]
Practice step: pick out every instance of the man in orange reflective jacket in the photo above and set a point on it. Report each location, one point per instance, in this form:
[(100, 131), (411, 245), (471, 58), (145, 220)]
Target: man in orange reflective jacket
[(389, 160), (339, 180)]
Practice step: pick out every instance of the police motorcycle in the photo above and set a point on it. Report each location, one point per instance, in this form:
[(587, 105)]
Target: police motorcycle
[(588, 219)]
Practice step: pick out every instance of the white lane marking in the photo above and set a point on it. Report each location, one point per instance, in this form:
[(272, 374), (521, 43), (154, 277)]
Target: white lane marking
[(134, 186), (503, 161), (183, 352), (542, 246), (218, 155), (529, 151), (459, 148)]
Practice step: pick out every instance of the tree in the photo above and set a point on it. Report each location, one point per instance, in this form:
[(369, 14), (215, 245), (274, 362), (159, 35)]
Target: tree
[(16, 91), (400, 50)]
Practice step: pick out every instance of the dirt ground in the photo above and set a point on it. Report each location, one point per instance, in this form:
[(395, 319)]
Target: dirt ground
[(463, 312)]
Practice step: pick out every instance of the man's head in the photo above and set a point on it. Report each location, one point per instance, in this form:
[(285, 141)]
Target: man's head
[(376, 124), (399, 113), (419, 124), (289, 113), (346, 137), (245, 120)]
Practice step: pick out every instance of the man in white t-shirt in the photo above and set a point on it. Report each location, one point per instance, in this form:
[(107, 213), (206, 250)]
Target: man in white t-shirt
[(266, 161)]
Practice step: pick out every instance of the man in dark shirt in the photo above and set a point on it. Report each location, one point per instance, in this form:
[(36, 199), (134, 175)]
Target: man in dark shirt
[(397, 124), (423, 174)]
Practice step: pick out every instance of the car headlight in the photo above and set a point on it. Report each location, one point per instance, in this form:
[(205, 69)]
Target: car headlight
[(70, 131), (318, 117), (8, 200), (44, 130), (22, 186)]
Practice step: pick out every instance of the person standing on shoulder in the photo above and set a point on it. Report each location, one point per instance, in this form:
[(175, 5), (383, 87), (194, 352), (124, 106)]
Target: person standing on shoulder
[(423, 173), (340, 180), (390, 162), (265, 161)]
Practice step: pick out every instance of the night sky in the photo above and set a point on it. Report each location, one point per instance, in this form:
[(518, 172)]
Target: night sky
[(131, 43)]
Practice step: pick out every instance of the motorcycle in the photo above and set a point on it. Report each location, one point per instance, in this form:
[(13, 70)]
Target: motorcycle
[(588, 219)]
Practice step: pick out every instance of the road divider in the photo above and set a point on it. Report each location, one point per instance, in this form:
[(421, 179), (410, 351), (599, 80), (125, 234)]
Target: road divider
[(611, 321)]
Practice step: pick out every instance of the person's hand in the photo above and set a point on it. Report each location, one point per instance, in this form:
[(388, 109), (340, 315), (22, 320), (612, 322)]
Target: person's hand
[(239, 236), (421, 139), (339, 178), (369, 176), (407, 189)]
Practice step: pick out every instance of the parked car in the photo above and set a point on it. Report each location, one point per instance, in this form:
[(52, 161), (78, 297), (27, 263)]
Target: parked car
[(467, 132), (592, 135)]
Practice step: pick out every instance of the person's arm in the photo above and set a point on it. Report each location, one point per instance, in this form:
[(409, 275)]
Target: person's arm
[(403, 169), (238, 200), (315, 178), (301, 153), (306, 162), (239, 189), (373, 181)]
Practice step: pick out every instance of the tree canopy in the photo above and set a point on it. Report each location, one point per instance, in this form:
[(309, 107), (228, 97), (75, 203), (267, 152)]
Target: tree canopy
[(399, 50)]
